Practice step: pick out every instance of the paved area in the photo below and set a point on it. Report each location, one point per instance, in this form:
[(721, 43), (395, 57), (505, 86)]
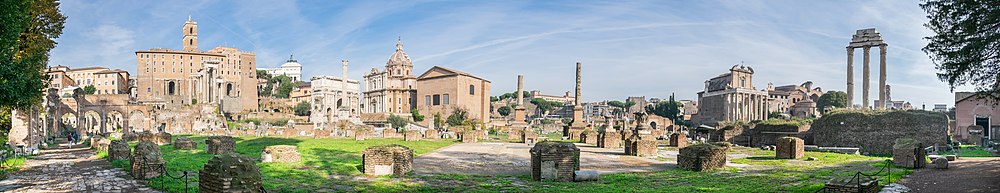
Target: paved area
[(70, 169), (514, 159), (962, 175)]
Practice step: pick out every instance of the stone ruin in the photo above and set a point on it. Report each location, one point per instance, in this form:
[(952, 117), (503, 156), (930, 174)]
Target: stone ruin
[(557, 161), (609, 140), (589, 137), (280, 153), (940, 163), (411, 136), (360, 134), (100, 143), (220, 145), (529, 137), (471, 136), (641, 145), (147, 161), (387, 160), (789, 148), (875, 131), (157, 138), (678, 140), (185, 143), (390, 133), (322, 134), (119, 150), (574, 134), (230, 173), (701, 157), (909, 153), (849, 184), (515, 134), (130, 136), (431, 134)]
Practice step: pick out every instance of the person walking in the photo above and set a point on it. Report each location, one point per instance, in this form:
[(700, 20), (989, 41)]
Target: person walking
[(76, 138)]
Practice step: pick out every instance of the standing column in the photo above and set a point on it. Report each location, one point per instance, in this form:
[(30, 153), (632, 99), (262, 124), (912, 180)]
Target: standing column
[(881, 79), (865, 85), (576, 99), (343, 86), (520, 90), (850, 77), (726, 111)]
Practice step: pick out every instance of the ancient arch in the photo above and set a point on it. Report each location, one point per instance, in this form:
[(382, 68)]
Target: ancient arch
[(115, 121), (138, 121), (67, 122), (229, 89), (91, 122)]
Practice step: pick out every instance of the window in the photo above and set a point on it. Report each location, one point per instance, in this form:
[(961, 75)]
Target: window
[(437, 99), (445, 101), (427, 100), (472, 89)]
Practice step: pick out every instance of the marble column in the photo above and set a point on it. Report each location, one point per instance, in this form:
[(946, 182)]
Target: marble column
[(520, 90), (865, 85), (850, 76), (576, 99), (881, 79)]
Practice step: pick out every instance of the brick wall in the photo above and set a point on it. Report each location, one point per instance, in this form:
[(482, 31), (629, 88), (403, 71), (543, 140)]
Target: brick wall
[(875, 131)]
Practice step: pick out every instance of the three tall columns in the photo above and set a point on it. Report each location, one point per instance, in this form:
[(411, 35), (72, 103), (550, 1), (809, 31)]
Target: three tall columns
[(865, 85)]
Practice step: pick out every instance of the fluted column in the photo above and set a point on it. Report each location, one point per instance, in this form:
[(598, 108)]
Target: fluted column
[(867, 76), (850, 77), (881, 78)]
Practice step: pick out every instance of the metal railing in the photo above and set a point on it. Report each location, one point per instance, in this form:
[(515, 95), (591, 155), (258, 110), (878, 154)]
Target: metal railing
[(886, 167), (185, 175)]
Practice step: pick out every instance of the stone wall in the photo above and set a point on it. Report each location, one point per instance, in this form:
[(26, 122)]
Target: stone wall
[(280, 153), (185, 143), (220, 145), (100, 143), (147, 161), (641, 145), (554, 161), (789, 148), (609, 140), (390, 133), (702, 157), (387, 160), (848, 184), (412, 136), (469, 136), (530, 138), (678, 140), (431, 134), (589, 137), (875, 131), (119, 150), (515, 135), (230, 173), (909, 153), (768, 134)]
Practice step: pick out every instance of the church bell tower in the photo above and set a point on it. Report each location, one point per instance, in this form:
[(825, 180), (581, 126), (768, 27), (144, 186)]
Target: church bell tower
[(190, 35)]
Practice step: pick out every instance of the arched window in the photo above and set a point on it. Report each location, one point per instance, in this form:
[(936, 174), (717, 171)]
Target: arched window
[(191, 42), (170, 88), (472, 89), (191, 30)]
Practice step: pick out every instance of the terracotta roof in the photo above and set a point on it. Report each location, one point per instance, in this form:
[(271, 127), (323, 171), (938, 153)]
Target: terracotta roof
[(454, 73)]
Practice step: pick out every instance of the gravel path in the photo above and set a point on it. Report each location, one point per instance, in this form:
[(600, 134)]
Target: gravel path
[(514, 159), (70, 169), (962, 175)]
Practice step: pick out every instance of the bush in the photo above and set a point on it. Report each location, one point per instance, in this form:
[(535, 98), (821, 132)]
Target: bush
[(281, 122)]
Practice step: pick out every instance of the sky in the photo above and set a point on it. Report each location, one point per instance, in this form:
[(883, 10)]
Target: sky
[(627, 48)]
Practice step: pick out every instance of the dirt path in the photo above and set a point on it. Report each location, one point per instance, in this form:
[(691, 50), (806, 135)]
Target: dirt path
[(70, 169), (962, 175), (514, 159)]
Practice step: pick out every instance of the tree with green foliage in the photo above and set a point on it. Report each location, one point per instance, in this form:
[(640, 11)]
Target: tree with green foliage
[(416, 115), (671, 109), (504, 111), (965, 43), (302, 109), (832, 99), (457, 117), (285, 86), (89, 90), (397, 122), (512, 95), (28, 30), (774, 115), (544, 106), (437, 120), (268, 86), (494, 98)]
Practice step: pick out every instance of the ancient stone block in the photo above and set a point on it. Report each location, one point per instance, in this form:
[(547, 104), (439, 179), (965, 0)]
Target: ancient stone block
[(361, 134), (412, 136), (909, 153), (390, 133), (147, 161), (875, 131), (529, 137), (702, 157), (641, 145), (322, 134), (515, 135), (789, 148), (850, 185), (657, 133), (589, 137), (609, 140), (280, 153), (130, 136), (574, 133), (220, 145), (554, 161), (230, 173), (100, 143), (387, 160), (940, 163), (185, 143), (469, 136), (431, 134), (119, 150), (678, 140)]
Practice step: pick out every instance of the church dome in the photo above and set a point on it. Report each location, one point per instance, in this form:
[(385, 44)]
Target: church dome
[(291, 63), (399, 57)]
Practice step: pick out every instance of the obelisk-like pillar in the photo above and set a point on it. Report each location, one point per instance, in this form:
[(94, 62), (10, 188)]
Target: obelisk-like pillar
[(867, 75), (519, 109), (881, 79), (850, 76), (578, 122), (576, 99), (343, 84)]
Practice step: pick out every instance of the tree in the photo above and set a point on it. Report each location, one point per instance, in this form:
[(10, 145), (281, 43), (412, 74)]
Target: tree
[(545, 106), (397, 122), (28, 30), (832, 99), (285, 86), (416, 115), (457, 117), (671, 109), (262, 74), (266, 90), (964, 46), (504, 111), (437, 120), (302, 109), (89, 90), (494, 98)]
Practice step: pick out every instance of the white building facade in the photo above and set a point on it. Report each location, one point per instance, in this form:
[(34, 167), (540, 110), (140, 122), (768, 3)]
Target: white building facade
[(290, 68), (334, 99)]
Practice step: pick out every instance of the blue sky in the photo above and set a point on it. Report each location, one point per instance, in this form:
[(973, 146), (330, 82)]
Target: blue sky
[(628, 48)]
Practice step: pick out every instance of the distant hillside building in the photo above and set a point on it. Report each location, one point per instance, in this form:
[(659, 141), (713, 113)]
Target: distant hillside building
[(222, 75), (731, 97), (564, 99), (443, 90), (392, 90), (290, 68), (794, 100), (104, 80)]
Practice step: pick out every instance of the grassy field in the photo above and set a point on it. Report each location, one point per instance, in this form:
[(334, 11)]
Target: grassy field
[(331, 165), (973, 151)]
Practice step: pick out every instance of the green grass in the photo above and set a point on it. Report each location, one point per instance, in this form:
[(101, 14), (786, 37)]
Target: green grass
[(973, 151), (321, 159)]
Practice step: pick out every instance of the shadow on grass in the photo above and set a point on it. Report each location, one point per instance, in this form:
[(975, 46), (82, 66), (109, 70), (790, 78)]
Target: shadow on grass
[(763, 158)]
